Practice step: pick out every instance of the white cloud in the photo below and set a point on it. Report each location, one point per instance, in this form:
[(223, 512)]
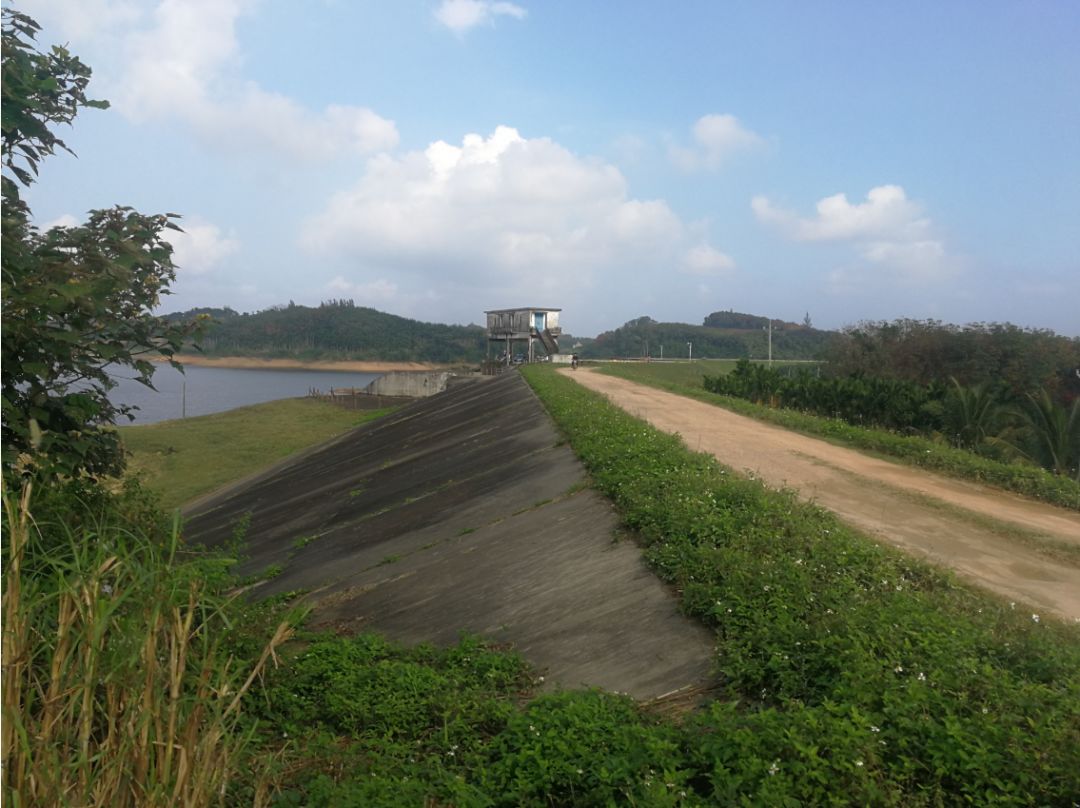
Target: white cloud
[(80, 19), (706, 260), (716, 139), (886, 214), (182, 62), (461, 16), (366, 294), (200, 247), (888, 229), (503, 217), (64, 220)]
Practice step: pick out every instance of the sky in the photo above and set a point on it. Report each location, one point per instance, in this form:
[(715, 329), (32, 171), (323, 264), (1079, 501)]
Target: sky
[(437, 158)]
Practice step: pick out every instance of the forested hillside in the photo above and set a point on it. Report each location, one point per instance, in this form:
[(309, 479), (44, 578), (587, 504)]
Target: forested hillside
[(742, 335), (337, 329)]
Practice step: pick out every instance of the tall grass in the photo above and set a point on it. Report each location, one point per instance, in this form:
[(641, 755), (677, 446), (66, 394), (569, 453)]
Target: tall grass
[(119, 688)]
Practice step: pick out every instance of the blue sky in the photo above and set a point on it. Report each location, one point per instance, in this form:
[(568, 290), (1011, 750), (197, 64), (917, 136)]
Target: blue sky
[(850, 160)]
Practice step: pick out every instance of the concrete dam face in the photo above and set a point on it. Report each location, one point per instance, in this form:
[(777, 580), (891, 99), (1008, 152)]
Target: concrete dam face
[(465, 511)]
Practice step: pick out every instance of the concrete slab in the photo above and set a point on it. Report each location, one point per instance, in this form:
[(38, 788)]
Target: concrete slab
[(464, 511)]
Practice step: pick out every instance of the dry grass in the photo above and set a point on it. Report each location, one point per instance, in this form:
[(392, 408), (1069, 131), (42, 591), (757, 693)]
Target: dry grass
[(117, 689)]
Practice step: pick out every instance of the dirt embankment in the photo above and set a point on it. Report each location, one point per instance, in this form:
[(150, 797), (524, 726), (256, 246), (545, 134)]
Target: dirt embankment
[(354, 366), (1001, 541)]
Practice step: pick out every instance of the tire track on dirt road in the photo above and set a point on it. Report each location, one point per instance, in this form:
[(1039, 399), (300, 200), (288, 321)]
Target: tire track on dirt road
[(893, 503)]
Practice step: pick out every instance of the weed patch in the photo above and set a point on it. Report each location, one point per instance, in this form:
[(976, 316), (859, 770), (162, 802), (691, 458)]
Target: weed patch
[(851, 667)]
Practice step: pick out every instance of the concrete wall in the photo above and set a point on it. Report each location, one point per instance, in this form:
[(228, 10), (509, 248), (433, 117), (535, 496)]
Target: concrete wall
[(414, 384)]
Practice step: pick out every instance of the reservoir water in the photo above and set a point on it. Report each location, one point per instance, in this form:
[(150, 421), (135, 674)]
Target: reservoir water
[(210, 390)]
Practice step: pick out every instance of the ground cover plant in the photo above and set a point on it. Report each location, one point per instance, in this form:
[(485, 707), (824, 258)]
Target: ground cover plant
[(183, 459), (126, 660), (928, 453), (853, 672)]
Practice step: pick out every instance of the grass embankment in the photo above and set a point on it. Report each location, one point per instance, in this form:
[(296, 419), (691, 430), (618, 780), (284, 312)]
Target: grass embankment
[(183, 459), (852, 675), (933, 455), (852, 671)]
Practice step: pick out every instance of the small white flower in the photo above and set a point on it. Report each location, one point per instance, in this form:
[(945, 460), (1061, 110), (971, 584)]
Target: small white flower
[(1035, 617), (922, 676), (875, 729), (859, 763), (581, 771), (985, 710), (774, 768), (898, 669)]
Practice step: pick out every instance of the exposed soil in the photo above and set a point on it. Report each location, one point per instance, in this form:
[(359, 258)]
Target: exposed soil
[(1001, 541), (251, 363)]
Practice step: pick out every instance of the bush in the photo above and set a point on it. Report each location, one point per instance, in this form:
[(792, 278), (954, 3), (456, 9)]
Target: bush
[(120, 687)]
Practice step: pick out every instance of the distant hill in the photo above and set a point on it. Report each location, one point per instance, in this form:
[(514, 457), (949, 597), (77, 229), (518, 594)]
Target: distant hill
[(337, 329), (728, 335)]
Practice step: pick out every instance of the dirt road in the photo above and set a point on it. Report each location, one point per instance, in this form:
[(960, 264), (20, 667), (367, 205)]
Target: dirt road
[(998, 540)]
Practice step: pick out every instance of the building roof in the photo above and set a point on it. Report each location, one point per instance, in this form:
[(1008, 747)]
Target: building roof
[(520, 308)]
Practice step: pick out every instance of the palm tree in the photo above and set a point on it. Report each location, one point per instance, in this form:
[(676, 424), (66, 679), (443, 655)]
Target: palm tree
[(972, 414), (1053, 433)]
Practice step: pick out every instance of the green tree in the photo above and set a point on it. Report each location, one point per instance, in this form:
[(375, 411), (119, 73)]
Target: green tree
[(77, 301), (1052, 434), (972, 414)]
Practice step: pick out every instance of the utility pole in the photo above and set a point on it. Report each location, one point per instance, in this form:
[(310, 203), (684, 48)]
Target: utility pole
[(690, 345), (770, 341)]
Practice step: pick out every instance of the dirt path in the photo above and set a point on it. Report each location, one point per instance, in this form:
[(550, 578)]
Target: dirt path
[(949, 521)]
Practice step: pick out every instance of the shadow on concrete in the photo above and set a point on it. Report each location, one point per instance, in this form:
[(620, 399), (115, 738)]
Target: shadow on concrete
[(465, 512)]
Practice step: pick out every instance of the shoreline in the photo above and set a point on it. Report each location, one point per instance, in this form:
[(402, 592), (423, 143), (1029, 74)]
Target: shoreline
[(350, 365)]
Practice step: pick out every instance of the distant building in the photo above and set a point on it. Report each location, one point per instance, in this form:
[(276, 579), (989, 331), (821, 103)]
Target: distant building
[(508, 328)]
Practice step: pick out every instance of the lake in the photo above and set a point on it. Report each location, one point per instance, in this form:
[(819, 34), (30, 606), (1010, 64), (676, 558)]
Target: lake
[(210, 390)]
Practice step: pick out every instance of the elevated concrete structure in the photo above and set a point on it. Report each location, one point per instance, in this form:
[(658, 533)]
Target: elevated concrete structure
[(414, 384), (529, 325), (465, 511)]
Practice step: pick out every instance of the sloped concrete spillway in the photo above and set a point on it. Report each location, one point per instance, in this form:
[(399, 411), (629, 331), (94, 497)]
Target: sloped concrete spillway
[(464, 512)]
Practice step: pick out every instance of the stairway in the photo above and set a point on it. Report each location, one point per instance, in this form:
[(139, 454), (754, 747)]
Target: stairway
[(551, 345)]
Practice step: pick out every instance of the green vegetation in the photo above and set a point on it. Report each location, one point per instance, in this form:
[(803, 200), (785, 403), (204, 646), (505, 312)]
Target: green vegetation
[(75, 299), (932, 454), (337, 329), (126, 661), (871, 401), (849, 668), (740, 337), (183, 459), (1009, 360)]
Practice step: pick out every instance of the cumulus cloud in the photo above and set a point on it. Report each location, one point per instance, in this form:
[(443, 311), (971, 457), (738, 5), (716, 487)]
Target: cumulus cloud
[(706, 260), (461, 16), (716, 139), (507, 215), (181, 62), (887, 229), (201, 247), (886, 214)]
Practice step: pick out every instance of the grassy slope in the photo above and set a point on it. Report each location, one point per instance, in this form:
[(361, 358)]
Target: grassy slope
[(685, 379), (183, 459), (862, 673)]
